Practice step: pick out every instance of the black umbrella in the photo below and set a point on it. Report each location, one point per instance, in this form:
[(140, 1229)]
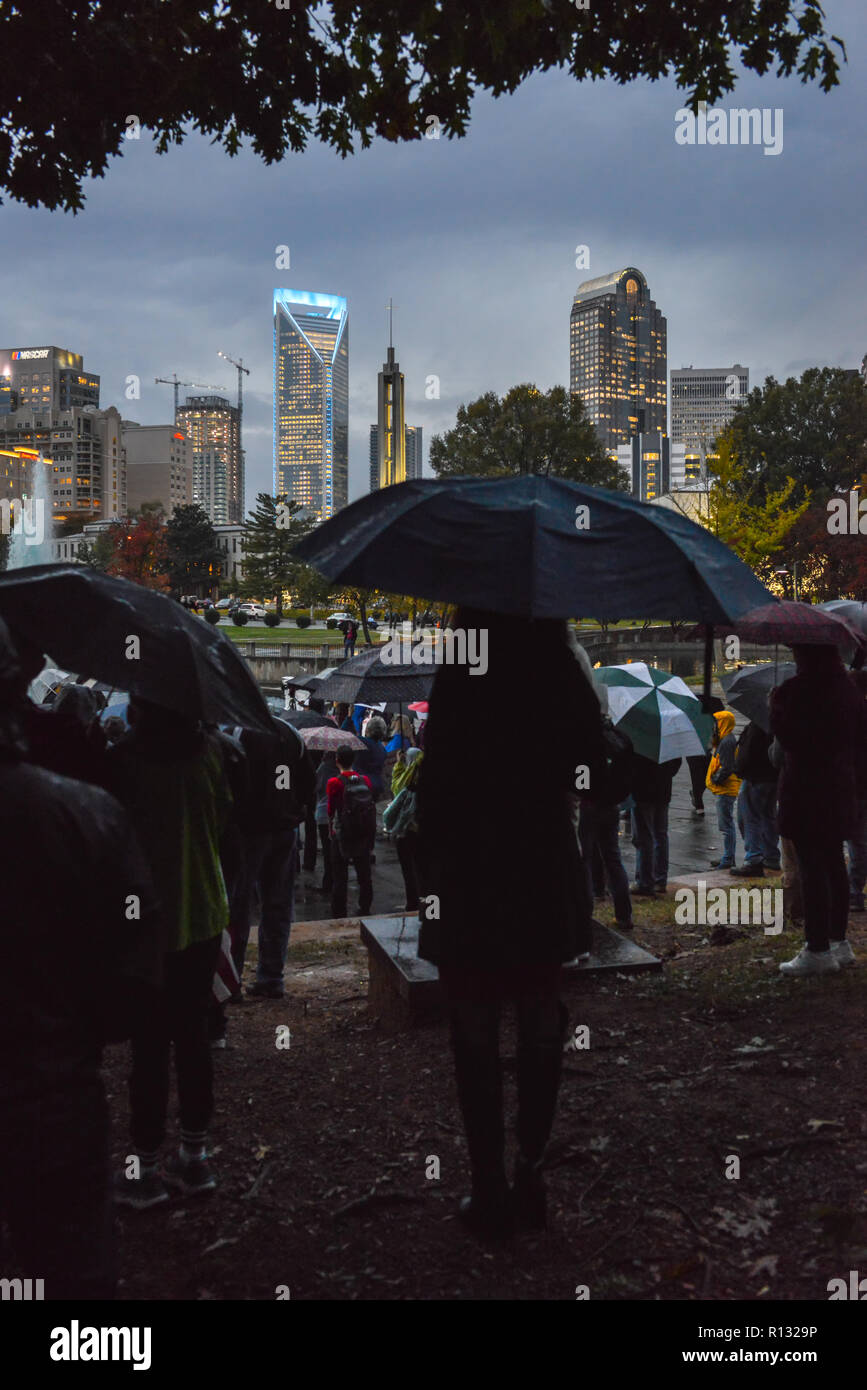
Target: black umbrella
[(133, 639), (536, 547), (306, 719), (856, 616), (747, 690), (367, 679)]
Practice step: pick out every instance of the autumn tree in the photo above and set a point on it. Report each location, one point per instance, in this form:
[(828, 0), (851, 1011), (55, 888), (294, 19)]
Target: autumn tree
[(139, 549), (832, 561), (753, 522)]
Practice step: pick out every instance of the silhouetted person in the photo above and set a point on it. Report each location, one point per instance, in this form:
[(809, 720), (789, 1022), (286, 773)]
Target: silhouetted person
[(78, 928), (501, 876)]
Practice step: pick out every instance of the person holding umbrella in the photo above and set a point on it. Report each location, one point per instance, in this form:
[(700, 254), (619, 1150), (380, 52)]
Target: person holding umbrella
[(78, 971), (820, 720), (500, 894)]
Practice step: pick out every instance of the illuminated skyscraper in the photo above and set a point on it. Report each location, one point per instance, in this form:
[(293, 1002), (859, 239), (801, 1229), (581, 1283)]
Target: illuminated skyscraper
[(412, 438), (703, 401), (212, 426), (311, 400), (617, 357)]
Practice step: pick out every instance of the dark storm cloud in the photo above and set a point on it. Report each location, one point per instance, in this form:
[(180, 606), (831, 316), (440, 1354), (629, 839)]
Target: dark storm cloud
[(752, 258)]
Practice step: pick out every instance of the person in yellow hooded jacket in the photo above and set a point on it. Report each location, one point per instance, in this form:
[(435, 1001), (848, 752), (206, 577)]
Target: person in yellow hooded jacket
[(725, 784)]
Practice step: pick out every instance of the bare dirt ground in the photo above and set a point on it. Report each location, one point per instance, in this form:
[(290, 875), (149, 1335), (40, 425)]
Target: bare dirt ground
[(322, 1148)]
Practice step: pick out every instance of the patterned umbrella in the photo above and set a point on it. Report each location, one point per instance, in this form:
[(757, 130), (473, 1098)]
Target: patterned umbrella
[(657, 710), (329, 739)]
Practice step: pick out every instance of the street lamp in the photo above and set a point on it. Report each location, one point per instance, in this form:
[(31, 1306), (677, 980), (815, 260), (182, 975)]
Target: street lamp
[(783, 574)]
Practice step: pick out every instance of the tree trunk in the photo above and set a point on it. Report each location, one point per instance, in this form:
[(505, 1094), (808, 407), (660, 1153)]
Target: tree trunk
[(363, 606)]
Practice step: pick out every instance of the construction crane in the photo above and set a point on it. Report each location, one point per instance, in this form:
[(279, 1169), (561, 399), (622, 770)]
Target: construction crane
[(196, 385), (242, 372)]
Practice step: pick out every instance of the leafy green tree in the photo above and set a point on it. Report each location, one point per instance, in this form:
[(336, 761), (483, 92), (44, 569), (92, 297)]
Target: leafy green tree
[(194, 560), (812, 429), (755, 524), (271, 532), (280, 74), (528, 431), (98, 554)]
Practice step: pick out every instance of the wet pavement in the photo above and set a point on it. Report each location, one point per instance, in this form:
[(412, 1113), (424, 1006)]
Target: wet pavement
[(693, 842)]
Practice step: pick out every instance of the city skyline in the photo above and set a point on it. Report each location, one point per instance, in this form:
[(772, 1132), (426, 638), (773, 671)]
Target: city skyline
[(482, 268)]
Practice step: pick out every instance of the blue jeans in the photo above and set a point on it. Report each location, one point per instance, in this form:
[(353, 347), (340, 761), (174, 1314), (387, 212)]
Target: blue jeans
[(598, 828), (650, 838), (757, 822), (725, 819), (271, 864), (857, 848)]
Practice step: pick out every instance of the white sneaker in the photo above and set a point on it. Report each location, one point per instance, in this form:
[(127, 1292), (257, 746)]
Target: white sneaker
[(843, 953), (808, 962)]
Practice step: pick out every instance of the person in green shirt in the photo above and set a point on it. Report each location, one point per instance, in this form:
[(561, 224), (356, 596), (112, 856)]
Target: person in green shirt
[(169, 774)]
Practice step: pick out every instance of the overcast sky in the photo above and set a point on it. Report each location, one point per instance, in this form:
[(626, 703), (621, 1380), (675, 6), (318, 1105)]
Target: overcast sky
[(752, 258)]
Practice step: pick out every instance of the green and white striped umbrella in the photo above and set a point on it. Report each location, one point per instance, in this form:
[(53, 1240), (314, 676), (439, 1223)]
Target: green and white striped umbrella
[(657, 710)]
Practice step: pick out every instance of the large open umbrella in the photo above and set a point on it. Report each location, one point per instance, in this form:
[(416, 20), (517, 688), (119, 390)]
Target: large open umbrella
[(793, 624), (747, 690), (856, 615), (536, 547), (367, 679), (133, 639), (658, 711)]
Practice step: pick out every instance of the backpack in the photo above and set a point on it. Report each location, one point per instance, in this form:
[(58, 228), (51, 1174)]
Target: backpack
[(355, 822), (617, 776)]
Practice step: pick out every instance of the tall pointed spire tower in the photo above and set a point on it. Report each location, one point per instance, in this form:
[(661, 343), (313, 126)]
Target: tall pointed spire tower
[(391, 438)]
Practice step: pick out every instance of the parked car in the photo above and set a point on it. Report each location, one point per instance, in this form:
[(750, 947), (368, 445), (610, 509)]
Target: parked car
[(340, 618), (253, 610), (226, 604)]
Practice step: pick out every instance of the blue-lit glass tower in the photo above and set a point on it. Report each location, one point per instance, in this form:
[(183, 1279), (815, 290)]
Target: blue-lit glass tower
[(311, 399)]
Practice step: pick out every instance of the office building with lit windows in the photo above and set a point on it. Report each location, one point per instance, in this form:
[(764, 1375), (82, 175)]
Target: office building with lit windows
[(213, 426), (84, 451), (703, 400), (413, 437), (653, 464), (617, 357), (311, 400), (51, 378)]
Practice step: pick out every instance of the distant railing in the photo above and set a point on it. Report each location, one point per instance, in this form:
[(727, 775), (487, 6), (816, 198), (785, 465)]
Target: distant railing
[(290, 649)]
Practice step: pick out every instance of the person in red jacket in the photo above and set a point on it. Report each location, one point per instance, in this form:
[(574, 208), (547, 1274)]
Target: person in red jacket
[(352, 834)]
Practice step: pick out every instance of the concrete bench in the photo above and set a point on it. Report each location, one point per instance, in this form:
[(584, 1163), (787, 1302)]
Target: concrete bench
[(404, 990)]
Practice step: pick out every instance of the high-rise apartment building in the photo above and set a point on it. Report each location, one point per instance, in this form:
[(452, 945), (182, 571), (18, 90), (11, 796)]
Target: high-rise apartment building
[(413, 436), (50, 378), (158, 466), (652, 463), (703, 400), (210, 487), (213, 426), (84, 447), (617, 357), (311, 400)]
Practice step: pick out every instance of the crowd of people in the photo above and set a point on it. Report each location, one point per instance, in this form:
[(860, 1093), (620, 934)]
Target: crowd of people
[(170, 839)]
